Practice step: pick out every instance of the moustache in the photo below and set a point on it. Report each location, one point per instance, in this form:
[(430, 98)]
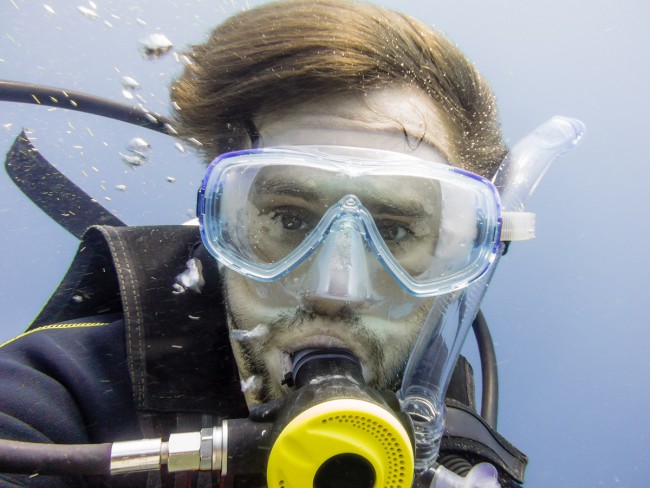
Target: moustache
[(299, 320)]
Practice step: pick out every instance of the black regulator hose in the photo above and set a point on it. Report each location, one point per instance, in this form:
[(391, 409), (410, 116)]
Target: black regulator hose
[(14, 91), (55, 459), (489, 371)]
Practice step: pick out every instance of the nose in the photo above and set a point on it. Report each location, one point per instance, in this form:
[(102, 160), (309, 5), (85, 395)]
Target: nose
[(339, 277)]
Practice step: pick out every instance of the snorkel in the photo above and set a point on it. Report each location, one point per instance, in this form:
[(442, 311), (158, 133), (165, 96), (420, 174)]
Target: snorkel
[(433, 358)]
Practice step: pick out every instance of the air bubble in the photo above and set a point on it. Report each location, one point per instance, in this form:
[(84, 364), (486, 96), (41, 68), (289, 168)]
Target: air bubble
[(139, 144), (191, 278), (155, 45)]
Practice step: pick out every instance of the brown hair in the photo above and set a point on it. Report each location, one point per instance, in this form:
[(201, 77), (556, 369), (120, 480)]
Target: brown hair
[(284, 53)]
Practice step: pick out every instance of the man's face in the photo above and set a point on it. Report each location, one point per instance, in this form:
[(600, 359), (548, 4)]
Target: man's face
[(266, 320)]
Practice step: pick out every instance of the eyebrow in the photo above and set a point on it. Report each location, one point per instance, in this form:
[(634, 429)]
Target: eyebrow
[(408, 208), (278, 185), (282, 186)]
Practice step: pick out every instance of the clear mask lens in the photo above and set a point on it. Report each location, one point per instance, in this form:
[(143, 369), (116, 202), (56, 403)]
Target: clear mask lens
[(432, 227)]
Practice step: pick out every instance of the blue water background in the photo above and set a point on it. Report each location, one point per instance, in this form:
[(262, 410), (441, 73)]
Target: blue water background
[(567, 310)]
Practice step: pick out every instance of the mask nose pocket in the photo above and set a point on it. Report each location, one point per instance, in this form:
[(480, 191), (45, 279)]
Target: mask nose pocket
[(339, 269)]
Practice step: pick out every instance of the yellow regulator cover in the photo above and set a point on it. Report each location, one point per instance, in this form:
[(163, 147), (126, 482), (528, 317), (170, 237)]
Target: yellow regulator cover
[(341, 426)]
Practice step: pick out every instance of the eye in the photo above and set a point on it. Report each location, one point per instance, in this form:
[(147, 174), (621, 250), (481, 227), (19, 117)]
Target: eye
[(292, 219), (393, 231)]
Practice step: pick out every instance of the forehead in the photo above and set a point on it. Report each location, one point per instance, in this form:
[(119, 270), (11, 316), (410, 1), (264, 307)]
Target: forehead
[(324, 187), (400, 119)]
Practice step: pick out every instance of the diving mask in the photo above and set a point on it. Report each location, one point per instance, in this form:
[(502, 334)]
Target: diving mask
[(432, 227)]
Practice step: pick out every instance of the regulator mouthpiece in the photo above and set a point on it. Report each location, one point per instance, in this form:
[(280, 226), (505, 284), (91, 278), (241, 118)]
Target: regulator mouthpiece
[(314, 364), (337, 432)]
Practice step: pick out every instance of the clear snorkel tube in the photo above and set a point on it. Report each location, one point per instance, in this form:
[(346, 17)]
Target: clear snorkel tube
[(437, 348)]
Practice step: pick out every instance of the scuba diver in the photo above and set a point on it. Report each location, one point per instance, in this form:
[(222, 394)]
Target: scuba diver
[(307, 332)]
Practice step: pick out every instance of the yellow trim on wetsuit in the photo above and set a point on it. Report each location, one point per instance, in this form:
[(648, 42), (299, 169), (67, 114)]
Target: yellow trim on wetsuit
[(54, 327)]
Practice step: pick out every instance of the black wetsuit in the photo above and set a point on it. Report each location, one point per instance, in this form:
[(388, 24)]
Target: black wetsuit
[(119, 354)]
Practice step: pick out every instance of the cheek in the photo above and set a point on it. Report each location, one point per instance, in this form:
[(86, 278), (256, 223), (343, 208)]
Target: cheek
[(252, 302), (403, 332), (402, 335)]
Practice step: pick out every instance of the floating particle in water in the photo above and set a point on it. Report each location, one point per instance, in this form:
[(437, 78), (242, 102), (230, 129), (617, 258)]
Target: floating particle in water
[(49, 9), (91, 14), (120, 187), (140, 22), (127, 94), (77, 298), (92, 4), (171, 179), (8, 125), (130, 83), (155, 45), (180, 147)]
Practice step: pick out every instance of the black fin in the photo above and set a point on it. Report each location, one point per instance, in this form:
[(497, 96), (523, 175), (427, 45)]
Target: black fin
[(52, 191)]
